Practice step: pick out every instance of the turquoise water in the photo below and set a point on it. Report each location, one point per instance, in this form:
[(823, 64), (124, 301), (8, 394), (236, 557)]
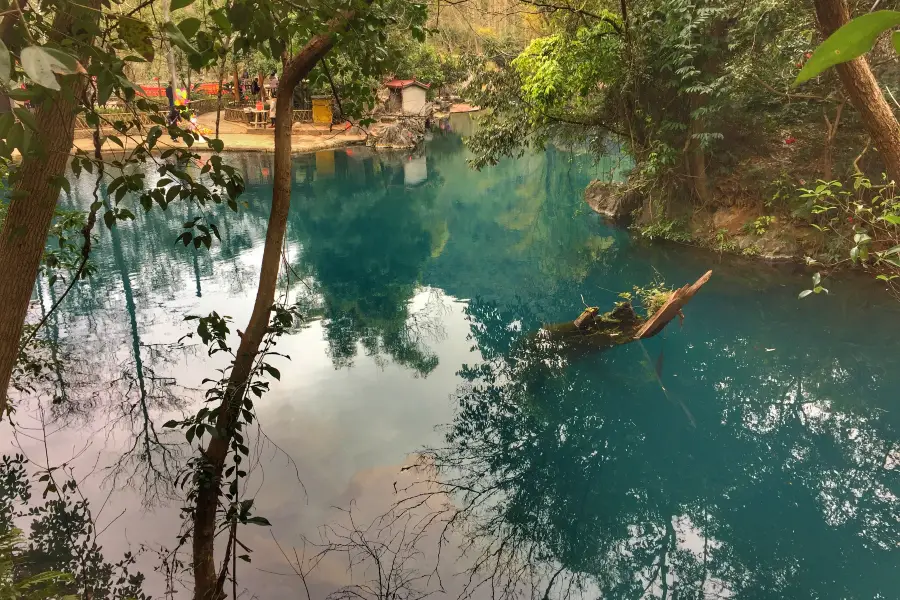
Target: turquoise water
[(752, 453)]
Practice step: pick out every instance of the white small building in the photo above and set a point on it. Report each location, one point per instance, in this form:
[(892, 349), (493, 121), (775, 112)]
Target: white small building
[(415, 170), (407, 96)]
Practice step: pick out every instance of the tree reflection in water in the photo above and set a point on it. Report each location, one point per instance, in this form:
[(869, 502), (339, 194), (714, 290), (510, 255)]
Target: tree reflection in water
[(366, 237), (569, 483), (572, 476)]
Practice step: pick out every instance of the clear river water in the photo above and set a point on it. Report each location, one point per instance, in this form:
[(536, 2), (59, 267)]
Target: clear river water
[(751, 453)]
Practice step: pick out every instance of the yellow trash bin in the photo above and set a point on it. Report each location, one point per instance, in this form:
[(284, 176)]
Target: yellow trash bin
[(325, 163), (321, 110)]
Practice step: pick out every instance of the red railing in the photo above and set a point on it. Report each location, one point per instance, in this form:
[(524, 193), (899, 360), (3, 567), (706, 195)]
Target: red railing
[(156, 91)]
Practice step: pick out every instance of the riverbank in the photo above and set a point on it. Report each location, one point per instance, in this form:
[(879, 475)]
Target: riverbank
[(240, 142), (734, 229), (849, 237), (238, 138)]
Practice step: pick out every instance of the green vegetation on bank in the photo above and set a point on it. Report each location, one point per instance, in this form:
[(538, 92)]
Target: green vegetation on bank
[(730, 146)]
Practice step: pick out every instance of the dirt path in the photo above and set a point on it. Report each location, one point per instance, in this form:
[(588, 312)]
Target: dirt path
[(241, 142), (208, 120)]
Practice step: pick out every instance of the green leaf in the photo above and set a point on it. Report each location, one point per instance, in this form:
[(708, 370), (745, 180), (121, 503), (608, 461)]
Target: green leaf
[(26, 117), (20, 94), (895, 41), (892, 219), (5, 63), (221, 20), (217, 145), (850, 41), (176, 37), (40, 64), (197, 61), (189, 27), (861, 238), (6, 121), (15, 136), (176, 4), (894, 250), (63, 183), (817, 279), (138, 36), (805, 293), (105, 86), (259, 521)]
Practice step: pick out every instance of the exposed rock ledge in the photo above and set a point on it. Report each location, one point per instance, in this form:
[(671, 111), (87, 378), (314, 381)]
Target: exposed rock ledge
[(613, 200), (723, 229)]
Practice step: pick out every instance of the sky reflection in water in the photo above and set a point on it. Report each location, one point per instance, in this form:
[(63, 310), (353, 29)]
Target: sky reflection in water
[(766, 468)]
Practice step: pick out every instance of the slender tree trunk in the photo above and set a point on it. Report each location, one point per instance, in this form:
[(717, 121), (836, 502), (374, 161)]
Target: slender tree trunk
[(237, 81), (695, 154), (262, 87), (831, 129), (204, 533), (130, 307), (24, 232), (221, 81), (170, 54), (863, 91)]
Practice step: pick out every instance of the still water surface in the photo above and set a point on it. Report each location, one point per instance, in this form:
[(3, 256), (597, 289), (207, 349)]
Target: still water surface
[(762, 463)]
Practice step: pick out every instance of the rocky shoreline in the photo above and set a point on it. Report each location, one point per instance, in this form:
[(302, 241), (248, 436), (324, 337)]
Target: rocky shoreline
[(729, 229)]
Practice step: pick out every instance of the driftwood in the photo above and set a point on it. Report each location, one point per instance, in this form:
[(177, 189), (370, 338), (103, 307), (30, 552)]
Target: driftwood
[(672, 307), (593, 331), (587, 317)]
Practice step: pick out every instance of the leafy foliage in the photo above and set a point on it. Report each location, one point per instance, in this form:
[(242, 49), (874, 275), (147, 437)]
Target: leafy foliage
[(60, 557), (850, 41)]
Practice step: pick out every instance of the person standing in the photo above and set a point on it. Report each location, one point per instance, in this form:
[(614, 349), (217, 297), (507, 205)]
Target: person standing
[(273, 83), (170, 94)]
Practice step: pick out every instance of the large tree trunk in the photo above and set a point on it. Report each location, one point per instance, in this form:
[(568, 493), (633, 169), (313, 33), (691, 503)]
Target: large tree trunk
[(205, 578), (863, 90), (24, 231)]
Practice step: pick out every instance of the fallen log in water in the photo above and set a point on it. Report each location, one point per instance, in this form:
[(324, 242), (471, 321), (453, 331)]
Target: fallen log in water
[(596, 331)]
